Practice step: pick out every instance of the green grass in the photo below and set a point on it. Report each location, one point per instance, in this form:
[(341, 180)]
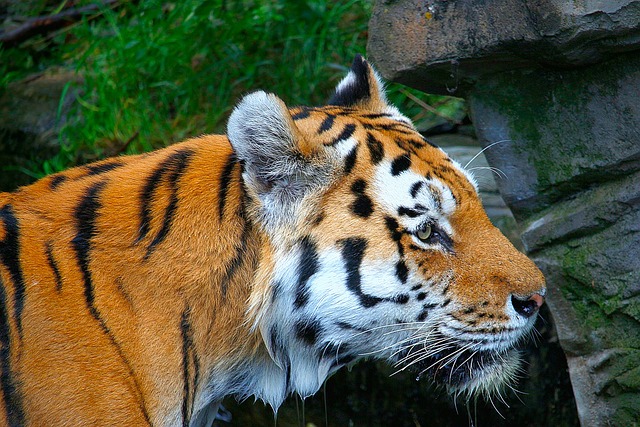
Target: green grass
[(156, 72)]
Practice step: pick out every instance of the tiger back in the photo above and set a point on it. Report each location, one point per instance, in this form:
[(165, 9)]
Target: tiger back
[(142, 290)]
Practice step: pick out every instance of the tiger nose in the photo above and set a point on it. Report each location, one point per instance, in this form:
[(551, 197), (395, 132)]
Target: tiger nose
[(527, 307)]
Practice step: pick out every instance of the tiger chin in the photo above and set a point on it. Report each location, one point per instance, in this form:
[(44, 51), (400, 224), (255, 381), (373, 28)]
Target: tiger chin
[(143, 289)]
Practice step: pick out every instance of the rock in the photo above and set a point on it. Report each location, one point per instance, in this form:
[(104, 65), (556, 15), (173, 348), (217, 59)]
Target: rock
[(573, 120), (444, 46), (32, 112)]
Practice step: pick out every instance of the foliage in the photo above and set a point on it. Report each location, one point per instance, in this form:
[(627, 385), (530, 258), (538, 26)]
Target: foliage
[(155, 72)]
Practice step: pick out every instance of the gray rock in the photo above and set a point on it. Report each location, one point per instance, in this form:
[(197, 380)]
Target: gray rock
[(444, 46), (574, 119), (585, 214)]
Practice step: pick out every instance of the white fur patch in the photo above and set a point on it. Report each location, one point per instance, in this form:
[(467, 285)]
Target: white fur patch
[(393, 193), (348, 80)]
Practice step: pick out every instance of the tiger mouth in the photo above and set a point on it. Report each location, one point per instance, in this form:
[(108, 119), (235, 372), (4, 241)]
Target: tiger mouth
[(466, 371)]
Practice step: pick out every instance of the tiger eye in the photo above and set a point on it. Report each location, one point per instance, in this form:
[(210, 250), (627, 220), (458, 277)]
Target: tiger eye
[(424, 232)]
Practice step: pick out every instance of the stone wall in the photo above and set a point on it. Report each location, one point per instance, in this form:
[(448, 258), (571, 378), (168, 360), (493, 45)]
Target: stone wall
[(558, 83)]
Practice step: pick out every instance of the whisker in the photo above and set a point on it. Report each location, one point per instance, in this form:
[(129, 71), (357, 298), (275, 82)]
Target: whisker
[(494, 406), (493, 169), (485, 149)]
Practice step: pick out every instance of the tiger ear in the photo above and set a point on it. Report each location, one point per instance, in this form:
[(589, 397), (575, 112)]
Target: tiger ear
[(361, 88), (280, 167)]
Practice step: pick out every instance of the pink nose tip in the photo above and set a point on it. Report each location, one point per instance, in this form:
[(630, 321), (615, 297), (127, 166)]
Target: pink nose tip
[(538, 299)]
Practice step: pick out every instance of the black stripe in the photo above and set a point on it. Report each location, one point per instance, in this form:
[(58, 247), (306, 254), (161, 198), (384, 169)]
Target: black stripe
[(392, 225), (348, 326), (445, 240), (86, 214), (358, 186), (376, 151), (225, 179), (56, 181), (303, 114), (429, 142), (350, 160), (188, 356), (411, 213), (425, 311), (145, 201), (409, 144), (444, 169), (318, 219), (345, 134), (352, 252), (396, 234), (397, 127), (153, 182), (362, 206), (186, 389), (400, 164), (327, 123), (308, 267), (239, 258), (54, 265), (120, 286), (415, 188), (12, 398), (10, 257), (343, 111), (402, 272), (308, 331), (401, 299), (181, 162), (103, 167), (375, 115)]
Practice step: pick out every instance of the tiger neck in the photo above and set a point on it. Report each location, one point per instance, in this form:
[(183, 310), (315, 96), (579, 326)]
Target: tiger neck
[(278, 362), (254, 348), (234, 359)]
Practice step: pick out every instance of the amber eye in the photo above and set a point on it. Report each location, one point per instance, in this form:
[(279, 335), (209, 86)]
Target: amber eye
[(424, 232)]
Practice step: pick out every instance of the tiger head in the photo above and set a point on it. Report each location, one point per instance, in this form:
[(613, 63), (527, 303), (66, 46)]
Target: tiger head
[(379, 247)]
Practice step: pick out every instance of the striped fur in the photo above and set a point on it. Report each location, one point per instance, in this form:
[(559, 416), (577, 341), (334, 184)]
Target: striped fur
[(141, 290)]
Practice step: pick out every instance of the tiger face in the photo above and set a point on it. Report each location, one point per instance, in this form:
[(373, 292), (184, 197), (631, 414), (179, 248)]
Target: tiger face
[(381, 246)]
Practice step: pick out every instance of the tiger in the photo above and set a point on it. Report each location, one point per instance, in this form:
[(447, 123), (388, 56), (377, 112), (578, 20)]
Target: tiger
[(143, 289)]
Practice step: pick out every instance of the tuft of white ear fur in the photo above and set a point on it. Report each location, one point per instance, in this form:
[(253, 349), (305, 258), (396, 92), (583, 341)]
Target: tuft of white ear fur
[(280, 168), (261, 132), (363, 88)]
